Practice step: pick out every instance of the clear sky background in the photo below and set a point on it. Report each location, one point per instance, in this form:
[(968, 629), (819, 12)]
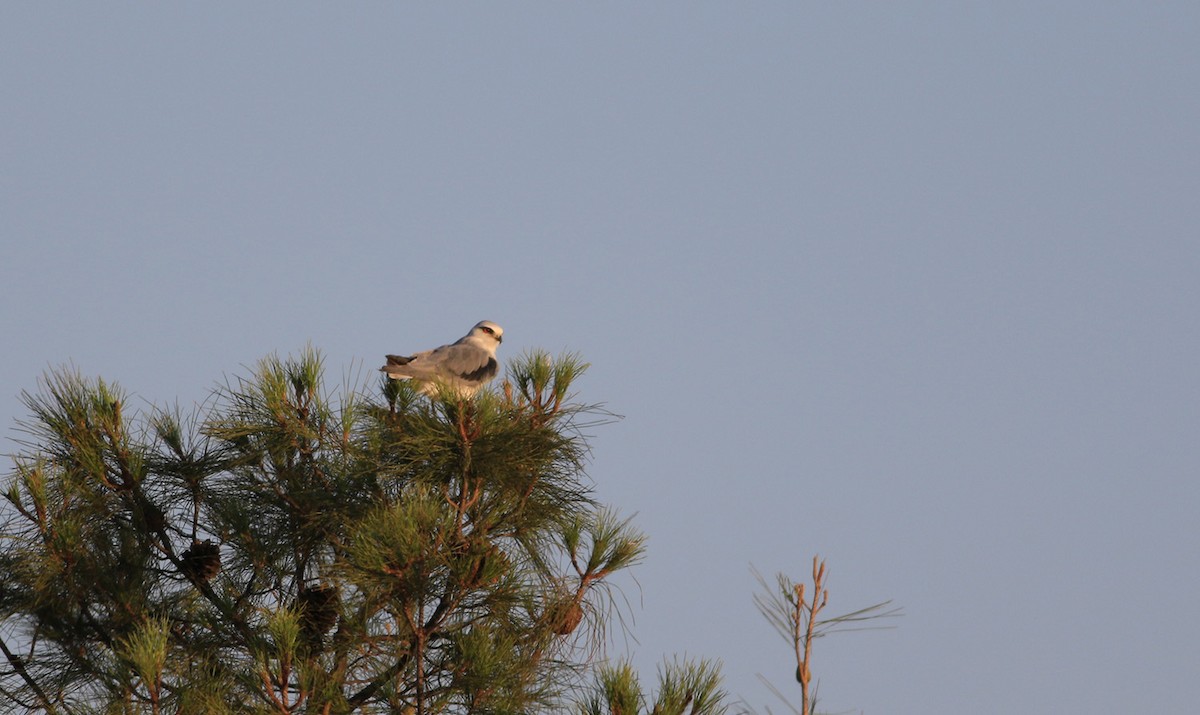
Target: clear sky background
[(912, 286)]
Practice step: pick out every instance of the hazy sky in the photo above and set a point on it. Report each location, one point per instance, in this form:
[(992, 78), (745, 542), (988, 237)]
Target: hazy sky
[(912, 286)]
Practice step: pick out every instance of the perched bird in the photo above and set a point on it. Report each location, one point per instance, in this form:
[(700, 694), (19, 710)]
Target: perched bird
[(464, 365)]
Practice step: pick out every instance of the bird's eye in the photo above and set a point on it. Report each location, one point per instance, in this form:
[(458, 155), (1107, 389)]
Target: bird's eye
[(488, 330)]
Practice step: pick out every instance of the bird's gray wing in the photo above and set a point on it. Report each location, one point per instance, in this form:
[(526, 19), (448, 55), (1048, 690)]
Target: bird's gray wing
[(449, 362), (464, 362)]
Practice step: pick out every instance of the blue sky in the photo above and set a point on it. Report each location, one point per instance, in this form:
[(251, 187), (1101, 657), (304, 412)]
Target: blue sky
[(914, 288)]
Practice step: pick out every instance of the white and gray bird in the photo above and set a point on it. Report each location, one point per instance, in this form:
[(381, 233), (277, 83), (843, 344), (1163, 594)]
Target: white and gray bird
[(464, 365)]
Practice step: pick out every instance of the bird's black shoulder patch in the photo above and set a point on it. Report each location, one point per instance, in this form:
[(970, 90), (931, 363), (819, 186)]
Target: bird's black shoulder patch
[(486, 372)]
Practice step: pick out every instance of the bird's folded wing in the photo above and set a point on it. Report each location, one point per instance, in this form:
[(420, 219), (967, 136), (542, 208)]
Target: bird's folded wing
[(465, 361)]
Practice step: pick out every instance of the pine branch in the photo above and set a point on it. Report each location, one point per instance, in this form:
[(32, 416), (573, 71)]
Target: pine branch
[(362, 696), (19, 668), (796, 616)]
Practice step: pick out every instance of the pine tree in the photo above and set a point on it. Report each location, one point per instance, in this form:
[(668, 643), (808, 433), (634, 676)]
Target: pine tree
[(290, 550)]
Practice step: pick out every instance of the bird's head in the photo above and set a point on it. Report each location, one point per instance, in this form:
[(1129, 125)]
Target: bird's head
[(487, 331)]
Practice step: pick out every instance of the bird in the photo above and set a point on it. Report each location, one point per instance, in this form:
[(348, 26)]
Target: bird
[(465, 365)]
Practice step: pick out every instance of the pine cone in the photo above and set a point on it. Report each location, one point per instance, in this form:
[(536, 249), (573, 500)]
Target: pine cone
[(565, 616), (202, 561), (155, 520), (318, 610)]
